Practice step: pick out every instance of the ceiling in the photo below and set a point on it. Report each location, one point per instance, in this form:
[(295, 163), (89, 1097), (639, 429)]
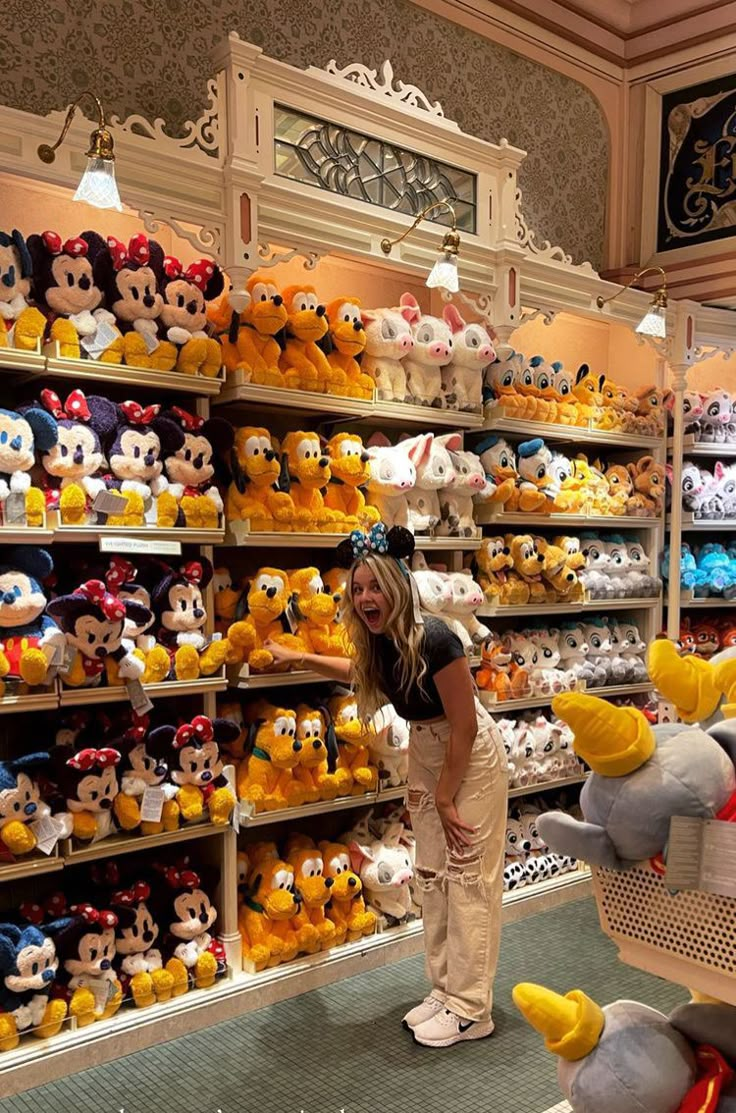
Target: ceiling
[(630, 31)]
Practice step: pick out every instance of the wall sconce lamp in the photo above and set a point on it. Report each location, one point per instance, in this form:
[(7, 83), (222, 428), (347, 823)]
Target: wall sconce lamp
[(444, 272), (654, 321), (97, 186)]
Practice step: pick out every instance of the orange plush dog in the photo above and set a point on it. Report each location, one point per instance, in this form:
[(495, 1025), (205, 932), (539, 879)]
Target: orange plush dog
[(303, 363), (252, 495), (308, 472), (248, 341), (348, 342), (350, 471)]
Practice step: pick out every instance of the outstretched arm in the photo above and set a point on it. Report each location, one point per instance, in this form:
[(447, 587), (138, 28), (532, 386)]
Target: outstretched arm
[(334, 668)]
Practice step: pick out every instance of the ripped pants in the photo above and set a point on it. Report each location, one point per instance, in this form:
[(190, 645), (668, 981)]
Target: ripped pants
[(461, 893)]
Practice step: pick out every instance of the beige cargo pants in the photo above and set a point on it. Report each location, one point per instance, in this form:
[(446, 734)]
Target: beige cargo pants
[(461, 892)]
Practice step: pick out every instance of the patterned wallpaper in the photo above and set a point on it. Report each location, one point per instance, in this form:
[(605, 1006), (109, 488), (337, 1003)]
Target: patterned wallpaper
[(153, 57)]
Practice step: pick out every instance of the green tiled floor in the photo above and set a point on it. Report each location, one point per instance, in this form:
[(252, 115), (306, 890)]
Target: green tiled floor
[(342, 1047)]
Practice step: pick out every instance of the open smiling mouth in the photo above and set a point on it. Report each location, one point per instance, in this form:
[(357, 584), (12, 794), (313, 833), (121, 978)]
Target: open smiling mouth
[(372, 616)]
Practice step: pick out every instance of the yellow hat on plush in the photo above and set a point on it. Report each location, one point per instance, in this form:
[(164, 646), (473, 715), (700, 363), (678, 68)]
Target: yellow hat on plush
[(571, 1025), (687, 682), (614, 741)]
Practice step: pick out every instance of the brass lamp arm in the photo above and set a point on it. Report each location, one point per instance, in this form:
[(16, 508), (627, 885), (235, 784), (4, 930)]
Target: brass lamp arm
[(661, 293), (101, 141), (387, 244)]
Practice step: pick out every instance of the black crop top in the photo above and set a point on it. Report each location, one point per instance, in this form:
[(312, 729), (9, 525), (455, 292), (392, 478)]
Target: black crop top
[(439, 647)]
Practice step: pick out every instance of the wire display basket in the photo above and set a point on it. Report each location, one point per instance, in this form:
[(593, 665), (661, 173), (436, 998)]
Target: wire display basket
[(687, 937)]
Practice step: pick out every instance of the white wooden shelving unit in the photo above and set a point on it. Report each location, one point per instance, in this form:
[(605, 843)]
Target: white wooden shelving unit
[(221, 190)]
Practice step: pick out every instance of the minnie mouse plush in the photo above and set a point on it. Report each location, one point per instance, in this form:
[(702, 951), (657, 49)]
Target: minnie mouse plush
[(24, 324), (192, 499), (121, 580), (65, 289), (143, 766), (88, 782), (184, 314), (74, 461), (139, 962), (197, 767), (186, 912), (86, 948), (178, 604), (93, 620), (131, 278), (29, 639)]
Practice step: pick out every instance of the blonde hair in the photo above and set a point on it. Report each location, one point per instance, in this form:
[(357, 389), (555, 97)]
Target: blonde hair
[(393, 580)]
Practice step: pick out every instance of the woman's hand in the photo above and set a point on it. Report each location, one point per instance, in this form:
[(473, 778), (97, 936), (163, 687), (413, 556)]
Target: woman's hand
[(283, 654), (457, 833)]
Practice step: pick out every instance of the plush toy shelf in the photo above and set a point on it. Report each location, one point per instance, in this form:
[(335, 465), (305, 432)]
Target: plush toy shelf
[(33, 865), (240, 676), (501, 707), (27, 363), (151, 534), (497, 422), (485, 515), (322, 807), (241, 536), (32, 701), (547, 786), (491, 610), (691, 447), (56, 367), (691, 524), (710, 602), (26, 535), (82, 697), (251, 396), (115, 845), (401, 413)]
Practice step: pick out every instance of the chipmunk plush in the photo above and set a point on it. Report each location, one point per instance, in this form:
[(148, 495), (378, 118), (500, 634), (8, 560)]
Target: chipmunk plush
[(131, 278), (266, 777), (248, 339), (264, 619), (349, 474), (315, 608), (93, 620), (254, 494), (22, 325), (306, 474), (191, 497), (184, 314), (303, 363), (348, 340), (68, 293), (347, 908), (197, 768), (267, 913)]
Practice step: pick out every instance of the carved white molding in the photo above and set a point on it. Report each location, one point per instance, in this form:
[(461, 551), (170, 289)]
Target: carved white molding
[(203, 239), (269, 258), (547, 315), (383, 82), (707, 351), (202, 133), (482, 304), (527, 238)]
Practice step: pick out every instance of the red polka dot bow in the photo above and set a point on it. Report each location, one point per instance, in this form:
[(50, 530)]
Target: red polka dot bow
[(112, 607), (136, 893), (103, 917), (188, 421), (120, 572), (74, 409), (139, 415), (198, 273), (76, 246), (192, 571), (89, 758), (138, 729), (137, 251), (181, 879), (52, 907), (196, 733)]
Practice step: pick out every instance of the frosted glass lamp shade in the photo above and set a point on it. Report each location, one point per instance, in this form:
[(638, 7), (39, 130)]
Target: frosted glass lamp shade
[(444, 274), (98, 186), (653, 323)]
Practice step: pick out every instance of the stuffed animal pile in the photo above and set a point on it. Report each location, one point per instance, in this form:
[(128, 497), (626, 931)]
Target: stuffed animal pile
[(706, 570), (533, 479), (706, 636), (707, 494), (452, 596), (709, 418), (528, 857), (531, 389), (538, 749)]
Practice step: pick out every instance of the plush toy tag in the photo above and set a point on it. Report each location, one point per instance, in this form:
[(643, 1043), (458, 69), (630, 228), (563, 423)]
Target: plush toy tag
[(46, 831), (244, 810), (152, 804), (291, 618), (701, 854), (14, 509), (96, 344), (139, 701), (151, 341), (102, 990), (109, 502), (58, 655)]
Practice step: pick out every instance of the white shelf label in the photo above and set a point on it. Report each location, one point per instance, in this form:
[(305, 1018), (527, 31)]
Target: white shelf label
[(139, 545)]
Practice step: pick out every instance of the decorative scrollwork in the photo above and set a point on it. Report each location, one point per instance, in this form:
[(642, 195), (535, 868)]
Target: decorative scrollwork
[(203, 239), (547, 315), (527, 238), (202, 133), (269, 257), (383, 82), (482, 304)]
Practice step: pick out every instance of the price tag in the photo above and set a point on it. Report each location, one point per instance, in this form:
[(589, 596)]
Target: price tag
[(152, 804), (139, 545), (46, 831), (151, 341), (103, 992), (109, 502), (139, 701), (59, 651), (245, 809), (96, 344), (14, 509)]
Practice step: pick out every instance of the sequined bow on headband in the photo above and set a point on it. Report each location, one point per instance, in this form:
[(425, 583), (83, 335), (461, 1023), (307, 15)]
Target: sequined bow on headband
[(396, 542)]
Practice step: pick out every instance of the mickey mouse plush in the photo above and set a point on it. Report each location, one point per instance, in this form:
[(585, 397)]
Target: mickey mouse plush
[(29, 639), (21, 804), (197, 768), (74, 460), (21, 433), (28, 967), (93, 620), (86, 947), (178, 604), (65, 289), (131, 278), (184, 314), (89, 784), (24, 324), (192, 499)]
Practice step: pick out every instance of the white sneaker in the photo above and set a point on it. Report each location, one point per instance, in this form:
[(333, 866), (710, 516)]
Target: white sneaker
[(445, 1028), (429, 1007)]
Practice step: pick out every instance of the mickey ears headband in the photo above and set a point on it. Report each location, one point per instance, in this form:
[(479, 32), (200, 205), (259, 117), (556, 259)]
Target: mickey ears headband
[(396, 542)]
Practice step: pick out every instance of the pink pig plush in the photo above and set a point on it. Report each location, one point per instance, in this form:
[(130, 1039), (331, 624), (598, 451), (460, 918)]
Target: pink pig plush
[(462, 377), (433, 348), (388, 342)]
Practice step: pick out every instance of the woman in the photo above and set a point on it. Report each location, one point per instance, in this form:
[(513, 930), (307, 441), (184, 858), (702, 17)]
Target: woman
[(458, 779)]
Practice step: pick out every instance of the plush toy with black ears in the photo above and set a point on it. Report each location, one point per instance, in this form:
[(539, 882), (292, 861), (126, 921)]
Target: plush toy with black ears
[(28, 968), (86, 947), (145, 765), (192, 498), (184, 314), (137, 936), (32, 645), (186, 913), (66, 290), (74, 459), (21, 804), (93, 620), (24, 324), (21, 433), (197, 768), (122, 580), (87, 780), (178, 604), (131, 279)]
